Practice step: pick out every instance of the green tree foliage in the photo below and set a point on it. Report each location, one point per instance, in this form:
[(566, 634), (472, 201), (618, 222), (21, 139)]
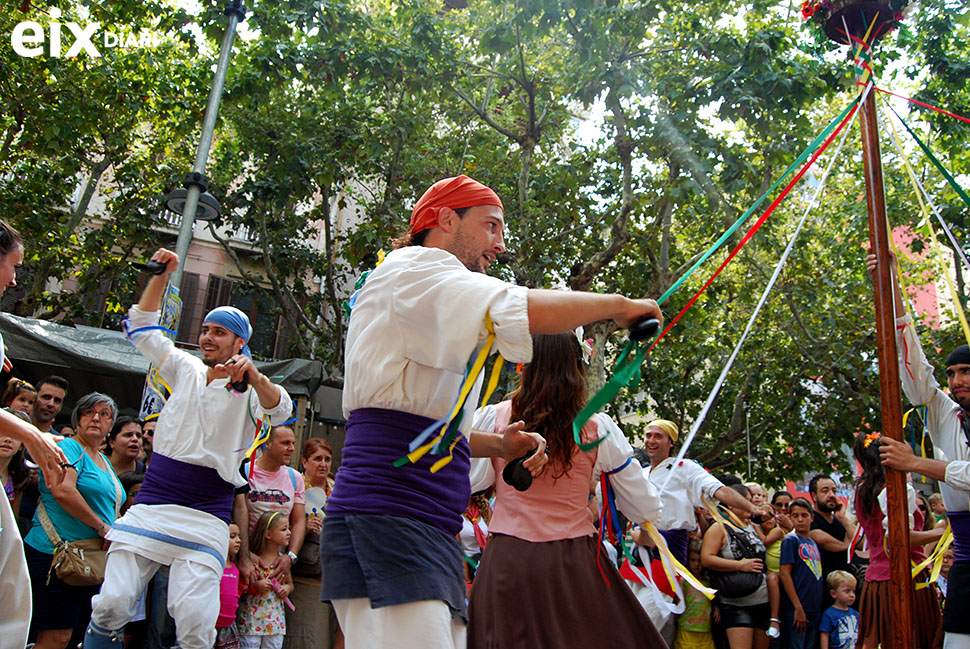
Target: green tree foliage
[(70, 126)]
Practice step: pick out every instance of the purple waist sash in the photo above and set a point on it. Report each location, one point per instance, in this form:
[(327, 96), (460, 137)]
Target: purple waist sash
[(173, 482), (369, 483), (960, 525), (677, 542)]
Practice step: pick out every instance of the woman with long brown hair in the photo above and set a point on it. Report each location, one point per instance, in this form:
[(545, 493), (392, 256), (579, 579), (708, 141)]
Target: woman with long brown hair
[(875, 617), (545, 580)]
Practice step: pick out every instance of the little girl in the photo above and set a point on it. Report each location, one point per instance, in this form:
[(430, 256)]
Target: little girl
[(771, 535), (262, 621), (694, 625), (227, 634)]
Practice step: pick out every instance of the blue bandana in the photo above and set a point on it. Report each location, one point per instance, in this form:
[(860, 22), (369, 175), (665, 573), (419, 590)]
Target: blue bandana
[(231, 318)]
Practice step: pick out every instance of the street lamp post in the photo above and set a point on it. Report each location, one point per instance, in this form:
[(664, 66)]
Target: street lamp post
[(194, 201)]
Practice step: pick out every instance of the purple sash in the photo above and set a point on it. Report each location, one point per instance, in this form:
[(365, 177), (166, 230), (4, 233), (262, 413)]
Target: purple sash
[(173, 482), (677, 542), (369, 483), (960, 525)]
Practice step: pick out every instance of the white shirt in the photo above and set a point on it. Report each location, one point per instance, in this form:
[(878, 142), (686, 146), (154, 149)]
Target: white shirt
[(417, 320), (201, 424), (943, 423), (688, 485), (911, 506)]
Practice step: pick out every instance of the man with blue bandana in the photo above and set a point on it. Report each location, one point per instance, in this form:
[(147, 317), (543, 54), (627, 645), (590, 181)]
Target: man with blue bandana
[(181, 516)]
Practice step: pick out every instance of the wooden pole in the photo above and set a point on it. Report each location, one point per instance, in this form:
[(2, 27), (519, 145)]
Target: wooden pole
[(901, 586)]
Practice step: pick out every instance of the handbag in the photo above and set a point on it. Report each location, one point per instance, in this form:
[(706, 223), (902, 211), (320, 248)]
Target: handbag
[(79, 563), (76, 563), (737, 583)]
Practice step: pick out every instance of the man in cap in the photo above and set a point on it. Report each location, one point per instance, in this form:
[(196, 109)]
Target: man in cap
[(948, 425), (180, 518), (689, 485), (391, 564)]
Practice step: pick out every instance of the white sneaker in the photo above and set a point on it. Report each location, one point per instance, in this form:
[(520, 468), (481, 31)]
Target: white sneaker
[(773, 631)]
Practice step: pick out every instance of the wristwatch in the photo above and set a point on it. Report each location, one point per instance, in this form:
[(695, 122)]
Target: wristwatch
[(292, 556)]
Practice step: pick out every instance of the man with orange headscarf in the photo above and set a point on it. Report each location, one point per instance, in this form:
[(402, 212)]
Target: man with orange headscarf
[(391, 563)]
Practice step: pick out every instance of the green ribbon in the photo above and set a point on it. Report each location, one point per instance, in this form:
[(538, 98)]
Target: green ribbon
[(628, 375), (623, 376), (934, 160), (814, 144)]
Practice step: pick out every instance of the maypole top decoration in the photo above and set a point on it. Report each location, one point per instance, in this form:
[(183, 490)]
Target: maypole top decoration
[(840, 19)]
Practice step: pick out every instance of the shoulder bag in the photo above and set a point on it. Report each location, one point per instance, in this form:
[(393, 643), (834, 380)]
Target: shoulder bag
[(76, 563), (737, 583)]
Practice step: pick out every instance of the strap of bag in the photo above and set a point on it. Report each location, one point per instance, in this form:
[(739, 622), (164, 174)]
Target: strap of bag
[(46, 523), (120, 495), (748, 549)]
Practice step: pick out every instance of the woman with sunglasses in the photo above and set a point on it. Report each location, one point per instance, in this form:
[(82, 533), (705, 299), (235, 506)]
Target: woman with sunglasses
[(82, 506)]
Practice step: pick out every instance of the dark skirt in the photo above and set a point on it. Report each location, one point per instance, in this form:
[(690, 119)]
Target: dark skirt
[(57, 605), (876, 623), (551, 595)]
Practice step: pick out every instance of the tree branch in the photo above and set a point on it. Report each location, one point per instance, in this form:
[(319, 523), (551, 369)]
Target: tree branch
[(582, 277), (488, 118)]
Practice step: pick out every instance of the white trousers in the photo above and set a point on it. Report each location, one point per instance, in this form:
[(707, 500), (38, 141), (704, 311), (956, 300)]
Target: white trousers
[(416, 625), (14, 582), (193, 596), (956, 640)]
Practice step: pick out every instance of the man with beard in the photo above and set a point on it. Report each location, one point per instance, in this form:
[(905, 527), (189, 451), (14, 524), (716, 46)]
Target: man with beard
[(51, 391), (948, 425), (832, 530), (391, 563), (181, 515)]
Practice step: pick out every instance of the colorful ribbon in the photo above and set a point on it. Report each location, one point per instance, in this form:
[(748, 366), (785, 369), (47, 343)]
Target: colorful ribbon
[(448, 428), (627, 374), (708, 404), (929, 154), (935, 558), (942, 264), (924, 105), (747, 237)]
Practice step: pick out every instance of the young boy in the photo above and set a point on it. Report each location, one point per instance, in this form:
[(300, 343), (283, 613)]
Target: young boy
[(840, 624), (801, 579)]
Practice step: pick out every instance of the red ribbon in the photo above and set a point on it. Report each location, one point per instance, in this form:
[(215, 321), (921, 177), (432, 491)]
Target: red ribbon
[(924, 105), (474, 516)]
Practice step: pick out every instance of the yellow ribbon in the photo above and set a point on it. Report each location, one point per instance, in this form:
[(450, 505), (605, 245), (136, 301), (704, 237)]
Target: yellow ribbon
[(718, 515), (466, 387), (668, 559), (935, 558), (942, 264), (262, 434)]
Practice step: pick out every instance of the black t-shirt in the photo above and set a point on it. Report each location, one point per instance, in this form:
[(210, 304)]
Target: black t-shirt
[(831, 560)]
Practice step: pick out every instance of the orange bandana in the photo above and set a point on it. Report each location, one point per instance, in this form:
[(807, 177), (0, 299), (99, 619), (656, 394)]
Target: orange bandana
[(455, 193)]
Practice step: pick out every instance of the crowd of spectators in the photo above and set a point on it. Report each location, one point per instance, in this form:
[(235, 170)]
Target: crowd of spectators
[(109, 451)]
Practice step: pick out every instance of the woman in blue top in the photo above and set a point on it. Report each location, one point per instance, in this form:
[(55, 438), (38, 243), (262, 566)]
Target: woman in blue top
[(82, 506)]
